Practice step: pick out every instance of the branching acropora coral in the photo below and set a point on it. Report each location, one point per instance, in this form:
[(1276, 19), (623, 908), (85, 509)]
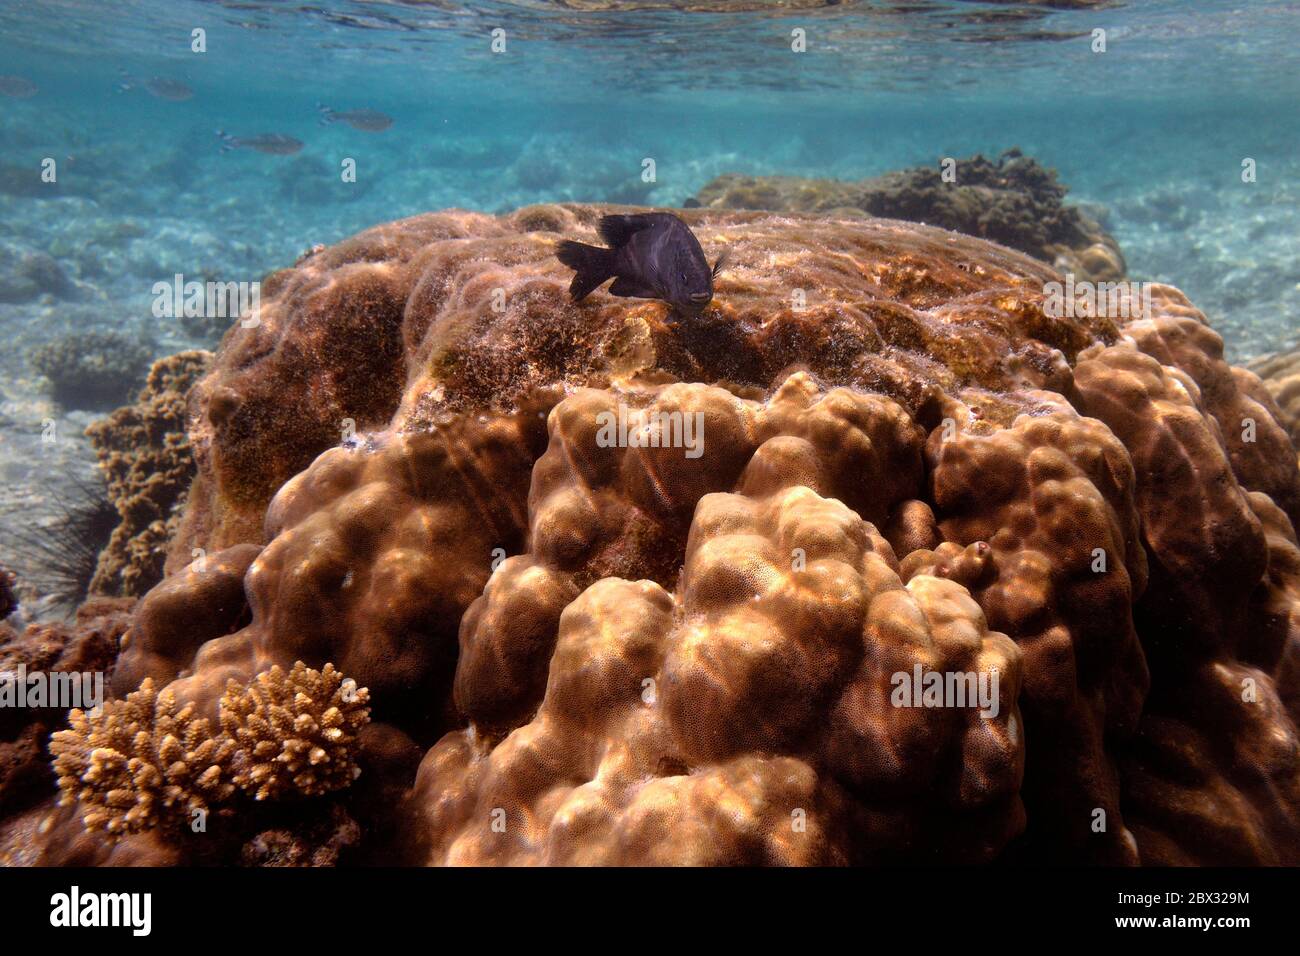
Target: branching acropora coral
[(142, 763), (296, 732)]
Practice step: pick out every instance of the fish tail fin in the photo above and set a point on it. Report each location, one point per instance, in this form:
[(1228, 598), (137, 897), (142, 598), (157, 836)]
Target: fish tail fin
[(227, 141), (592, 265), (326, 114)]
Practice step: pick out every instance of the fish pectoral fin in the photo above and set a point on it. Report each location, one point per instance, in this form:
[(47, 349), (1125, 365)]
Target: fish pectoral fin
[(631, 289), (722, 261), (617, 230)]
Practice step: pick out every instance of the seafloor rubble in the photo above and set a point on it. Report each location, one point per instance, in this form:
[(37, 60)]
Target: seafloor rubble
[(676, 642)]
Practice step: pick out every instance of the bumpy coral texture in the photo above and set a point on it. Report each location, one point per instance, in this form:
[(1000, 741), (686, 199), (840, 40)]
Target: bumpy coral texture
[(640, 651), (744, 717), (145, 455), (1038, 519), (146, 762)]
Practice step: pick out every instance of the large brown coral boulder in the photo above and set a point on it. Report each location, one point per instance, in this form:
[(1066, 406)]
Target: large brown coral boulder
[(647, 591)]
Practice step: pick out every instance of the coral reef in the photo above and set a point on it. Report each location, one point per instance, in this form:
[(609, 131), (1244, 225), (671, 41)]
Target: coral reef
[(27, 274), (642, 591), (91, 369), (758, 688), (144, 452), (1012, 200), (147, 762), (142, 763)]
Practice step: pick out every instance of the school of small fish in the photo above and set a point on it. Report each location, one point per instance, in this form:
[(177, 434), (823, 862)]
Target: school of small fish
[(279, 144), (368, 121), (161, 87), (176, 91)]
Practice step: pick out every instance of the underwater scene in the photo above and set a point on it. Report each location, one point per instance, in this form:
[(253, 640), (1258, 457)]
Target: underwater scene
[(650, 433)]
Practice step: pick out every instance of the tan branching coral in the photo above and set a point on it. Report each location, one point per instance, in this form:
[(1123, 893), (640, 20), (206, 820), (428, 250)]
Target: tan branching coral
[(141, 763), (146, 761), (295, 732)]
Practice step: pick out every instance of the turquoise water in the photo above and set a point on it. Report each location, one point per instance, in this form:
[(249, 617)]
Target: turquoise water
[(1152, 131)]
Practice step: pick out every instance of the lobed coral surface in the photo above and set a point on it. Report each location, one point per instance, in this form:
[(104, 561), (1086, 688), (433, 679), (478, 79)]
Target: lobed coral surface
[(630, 590)]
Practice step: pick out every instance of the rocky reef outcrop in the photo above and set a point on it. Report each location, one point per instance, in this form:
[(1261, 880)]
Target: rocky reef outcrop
[(87, 645), (625, 589), (91, 369), (144, 453), (1011, 200)]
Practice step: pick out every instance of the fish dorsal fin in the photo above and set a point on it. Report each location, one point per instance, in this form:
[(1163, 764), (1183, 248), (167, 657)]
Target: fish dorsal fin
[(617, 230)]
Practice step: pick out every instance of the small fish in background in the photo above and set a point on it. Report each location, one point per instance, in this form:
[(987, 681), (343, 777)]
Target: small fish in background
[(651, 256), (368, 121), (273, 144), (18, 87), (160, 87)]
